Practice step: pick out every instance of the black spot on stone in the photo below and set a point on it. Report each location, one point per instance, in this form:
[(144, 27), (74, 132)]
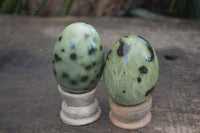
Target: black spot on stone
[(53, 61), (92, 51), (54, 71), (101, 47), (143, 69), (73, 56), (149, 91), (149, 48), (84, 78), (57, 58), (87, 36), (139, 79), (60, 38), (124, 72), (88, 67), (73, 82), (170, 57), (123, 49), (94, 63), (63, 50), (124, 91), (65, 75)]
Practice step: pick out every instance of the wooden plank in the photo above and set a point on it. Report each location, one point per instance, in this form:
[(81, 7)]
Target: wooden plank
[(30, 101)]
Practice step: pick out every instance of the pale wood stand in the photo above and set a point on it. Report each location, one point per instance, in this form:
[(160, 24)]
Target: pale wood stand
[(79, 109), (130, 117)]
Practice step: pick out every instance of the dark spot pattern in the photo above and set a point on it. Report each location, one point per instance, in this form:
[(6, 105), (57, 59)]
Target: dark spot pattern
[(86, 36), (123, 49), (139, 79), (124, 91), (94, 63), (53, 61), (84, 78), (149, 91), (149, 48), (92, 51), (73, 82), (143, 70), (73, 56), (60, 38), (57, 58), (88, 67), (63, 50), (65, 75)]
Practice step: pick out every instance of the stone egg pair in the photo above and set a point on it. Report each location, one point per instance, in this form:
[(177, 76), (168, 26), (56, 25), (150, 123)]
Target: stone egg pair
[(130, 69)]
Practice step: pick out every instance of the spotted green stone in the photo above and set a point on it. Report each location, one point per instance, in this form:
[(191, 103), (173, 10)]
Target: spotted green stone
[(78, 58), (131, 70)]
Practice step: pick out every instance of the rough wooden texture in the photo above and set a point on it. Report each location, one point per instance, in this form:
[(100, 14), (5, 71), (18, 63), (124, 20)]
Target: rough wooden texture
[(30, 101)]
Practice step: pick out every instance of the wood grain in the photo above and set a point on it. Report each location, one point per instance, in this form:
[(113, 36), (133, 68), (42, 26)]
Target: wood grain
[(30, 101)]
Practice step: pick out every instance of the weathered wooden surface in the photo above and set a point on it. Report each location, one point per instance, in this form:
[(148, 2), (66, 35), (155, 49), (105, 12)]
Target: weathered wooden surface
[(30, 101)]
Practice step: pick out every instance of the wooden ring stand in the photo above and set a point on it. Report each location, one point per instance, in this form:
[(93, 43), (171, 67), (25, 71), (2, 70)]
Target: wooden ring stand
[(130, 117)]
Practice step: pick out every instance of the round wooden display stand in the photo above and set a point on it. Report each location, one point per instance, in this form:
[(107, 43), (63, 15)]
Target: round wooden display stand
[(130, 117), (79, 109)]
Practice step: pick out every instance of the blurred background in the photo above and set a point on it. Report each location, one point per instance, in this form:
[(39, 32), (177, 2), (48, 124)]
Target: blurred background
[(188, 9)]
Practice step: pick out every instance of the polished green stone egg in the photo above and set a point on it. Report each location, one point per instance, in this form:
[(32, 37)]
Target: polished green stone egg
[(78, 58), (131, 70)]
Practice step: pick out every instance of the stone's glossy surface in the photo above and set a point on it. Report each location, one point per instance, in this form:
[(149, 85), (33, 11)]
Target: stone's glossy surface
[(131, 70), (78, 58)]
